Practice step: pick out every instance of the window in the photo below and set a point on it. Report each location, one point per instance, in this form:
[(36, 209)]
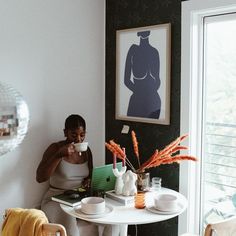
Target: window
[(208, 110), (219, 117)]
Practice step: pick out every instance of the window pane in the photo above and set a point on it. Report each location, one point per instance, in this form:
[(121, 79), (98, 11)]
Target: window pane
[(219, 126)]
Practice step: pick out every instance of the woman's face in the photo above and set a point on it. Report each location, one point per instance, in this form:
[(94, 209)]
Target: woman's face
[(76, 135)]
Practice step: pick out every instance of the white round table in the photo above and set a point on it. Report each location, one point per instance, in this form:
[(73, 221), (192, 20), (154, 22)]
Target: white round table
[(128, 215)]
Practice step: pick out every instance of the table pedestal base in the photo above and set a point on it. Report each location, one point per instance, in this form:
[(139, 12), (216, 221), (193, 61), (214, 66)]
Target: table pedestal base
[(123, 230), (115, 230)]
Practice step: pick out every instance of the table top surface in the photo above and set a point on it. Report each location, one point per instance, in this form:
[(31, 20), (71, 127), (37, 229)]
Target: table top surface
[(118, 213)]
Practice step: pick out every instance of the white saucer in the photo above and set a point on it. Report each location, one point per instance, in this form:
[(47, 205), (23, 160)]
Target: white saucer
[(161, 212), (78, 212)]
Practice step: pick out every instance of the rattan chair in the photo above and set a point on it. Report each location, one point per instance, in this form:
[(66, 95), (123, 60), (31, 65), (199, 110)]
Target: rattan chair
[(226, 227), (188, 234), (20, 220), (54, 230)]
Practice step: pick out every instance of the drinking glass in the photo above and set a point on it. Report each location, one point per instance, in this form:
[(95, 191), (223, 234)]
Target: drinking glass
[(156, 183)]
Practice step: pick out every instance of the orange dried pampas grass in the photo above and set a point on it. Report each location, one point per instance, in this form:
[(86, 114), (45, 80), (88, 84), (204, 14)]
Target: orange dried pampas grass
[(135, 146), (165, 156)]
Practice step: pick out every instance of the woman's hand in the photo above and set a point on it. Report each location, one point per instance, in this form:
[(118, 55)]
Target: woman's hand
[(86, 184), (67, 150)]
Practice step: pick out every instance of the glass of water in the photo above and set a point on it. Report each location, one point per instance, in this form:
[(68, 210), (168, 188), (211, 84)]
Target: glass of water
[(156, 183)]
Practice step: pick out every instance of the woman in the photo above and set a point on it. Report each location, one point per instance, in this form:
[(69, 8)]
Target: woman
[(66, 169)]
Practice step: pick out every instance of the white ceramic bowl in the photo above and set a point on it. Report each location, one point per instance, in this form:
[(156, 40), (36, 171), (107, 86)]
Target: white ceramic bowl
[(93, 205), (81, 147), (166, 202)]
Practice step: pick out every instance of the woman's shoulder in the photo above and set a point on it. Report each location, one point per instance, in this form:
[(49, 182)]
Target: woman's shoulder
[(56, 145), (61, 143), (89, 150)]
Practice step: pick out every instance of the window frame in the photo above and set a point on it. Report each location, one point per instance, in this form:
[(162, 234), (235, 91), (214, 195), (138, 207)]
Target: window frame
[(193, 13)]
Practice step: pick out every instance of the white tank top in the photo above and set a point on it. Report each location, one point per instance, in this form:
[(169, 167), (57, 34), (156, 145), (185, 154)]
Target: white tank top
[(68, 175)]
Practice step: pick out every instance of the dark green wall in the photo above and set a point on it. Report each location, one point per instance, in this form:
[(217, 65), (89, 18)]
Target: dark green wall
[(125, 14)]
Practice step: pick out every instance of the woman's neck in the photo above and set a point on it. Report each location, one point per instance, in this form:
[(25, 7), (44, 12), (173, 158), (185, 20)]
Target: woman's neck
[(144, 41)]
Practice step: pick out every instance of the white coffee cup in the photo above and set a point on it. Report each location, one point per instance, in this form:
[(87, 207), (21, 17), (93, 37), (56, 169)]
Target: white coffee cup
[(81, 147), (166, 202)]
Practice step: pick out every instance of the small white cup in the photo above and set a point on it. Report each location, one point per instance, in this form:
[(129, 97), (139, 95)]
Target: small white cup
[(93, 205), (81, 147), (166, 202)]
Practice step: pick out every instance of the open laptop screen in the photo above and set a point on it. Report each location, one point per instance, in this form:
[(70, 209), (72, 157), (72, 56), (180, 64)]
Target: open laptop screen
[(103, 177)]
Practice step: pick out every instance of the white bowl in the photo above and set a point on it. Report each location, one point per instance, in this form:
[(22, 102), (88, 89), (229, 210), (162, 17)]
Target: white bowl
[(166, 202), (93, 205), (81, 147)]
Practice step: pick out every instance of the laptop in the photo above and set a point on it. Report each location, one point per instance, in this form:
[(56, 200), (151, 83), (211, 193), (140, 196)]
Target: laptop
[(103, 180)]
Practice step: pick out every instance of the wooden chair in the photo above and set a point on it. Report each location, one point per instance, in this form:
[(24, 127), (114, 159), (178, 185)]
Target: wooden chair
[(188, 234), (51, 229), (226, 227), (24, 220)]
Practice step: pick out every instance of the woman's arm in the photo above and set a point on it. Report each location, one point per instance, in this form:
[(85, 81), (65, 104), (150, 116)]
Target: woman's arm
[(87, 181), (128, 68), (90, 162), (51, 158)]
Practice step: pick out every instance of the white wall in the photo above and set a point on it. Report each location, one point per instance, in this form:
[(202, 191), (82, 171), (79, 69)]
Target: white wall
[(52, 52)]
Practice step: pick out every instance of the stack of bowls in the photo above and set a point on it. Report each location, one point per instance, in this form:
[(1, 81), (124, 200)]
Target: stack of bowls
[(93, 205), (166, 202)]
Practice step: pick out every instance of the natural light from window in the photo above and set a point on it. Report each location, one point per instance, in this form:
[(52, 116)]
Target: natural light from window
[(219, 109), (208, 111)]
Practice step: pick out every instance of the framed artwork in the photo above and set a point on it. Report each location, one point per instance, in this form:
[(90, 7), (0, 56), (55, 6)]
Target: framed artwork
[(143, 62)]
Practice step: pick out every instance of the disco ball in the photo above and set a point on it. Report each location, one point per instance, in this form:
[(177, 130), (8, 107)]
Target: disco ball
[(14, 118)]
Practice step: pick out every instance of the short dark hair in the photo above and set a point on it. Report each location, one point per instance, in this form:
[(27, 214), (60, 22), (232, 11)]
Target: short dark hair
[(75, 121)]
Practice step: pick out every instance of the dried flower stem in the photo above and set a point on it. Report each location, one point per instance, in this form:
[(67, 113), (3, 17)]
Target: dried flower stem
[(179, 158), (169, 148), (116, 150), (165, 156), (110, 148), (130, 165), (135, 145)]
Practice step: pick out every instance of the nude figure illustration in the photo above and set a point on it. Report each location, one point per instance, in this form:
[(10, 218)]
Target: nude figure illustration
[(142, 78)]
